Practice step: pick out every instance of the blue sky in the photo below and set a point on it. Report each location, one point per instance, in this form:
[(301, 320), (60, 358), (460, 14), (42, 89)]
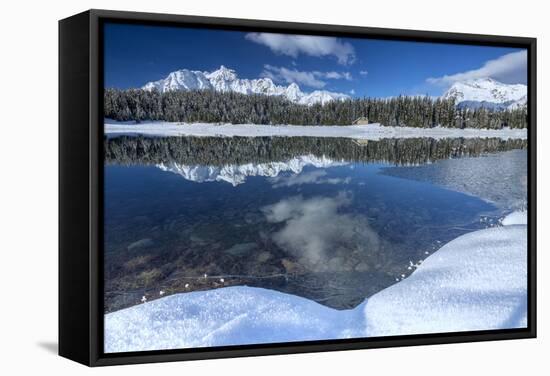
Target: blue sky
[(135, 55)]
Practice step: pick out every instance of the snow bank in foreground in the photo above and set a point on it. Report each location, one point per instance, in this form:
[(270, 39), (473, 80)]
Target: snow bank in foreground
[(227, 316), (515, 218), (477, 281), (367, 132)]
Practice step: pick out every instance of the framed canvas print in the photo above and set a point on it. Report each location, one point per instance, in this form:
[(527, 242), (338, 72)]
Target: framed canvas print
[(239, 187)]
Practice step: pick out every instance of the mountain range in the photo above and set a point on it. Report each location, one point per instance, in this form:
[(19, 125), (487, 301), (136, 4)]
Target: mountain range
[(475, 93), (225, 79), (488, 93)]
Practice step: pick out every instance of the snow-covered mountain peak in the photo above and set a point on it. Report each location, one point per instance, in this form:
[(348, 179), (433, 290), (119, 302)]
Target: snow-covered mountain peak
[(221, 74), (482, 82), (488, 92), (183, 79), (225, 79), (293, 92)]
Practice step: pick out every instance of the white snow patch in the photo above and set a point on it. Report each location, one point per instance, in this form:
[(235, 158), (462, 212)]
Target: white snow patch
[(515, 218), (476, 282), (367, 132)]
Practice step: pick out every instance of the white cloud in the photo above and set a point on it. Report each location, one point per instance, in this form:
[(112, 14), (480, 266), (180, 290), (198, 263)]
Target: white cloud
[(282, 74), (294, 45), (314, 228), (311, 79), (363, 72), (509, 68), (312, 177), (352, 92), (336, 75)]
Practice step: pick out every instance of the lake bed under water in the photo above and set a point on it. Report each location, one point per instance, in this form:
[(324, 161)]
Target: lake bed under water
[(331, 220)]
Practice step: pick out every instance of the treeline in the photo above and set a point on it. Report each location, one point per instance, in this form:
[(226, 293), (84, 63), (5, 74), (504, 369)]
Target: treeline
[(222, 151), (230, 107)]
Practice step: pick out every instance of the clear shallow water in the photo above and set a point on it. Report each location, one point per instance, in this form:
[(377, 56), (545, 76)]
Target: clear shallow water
[(322, 220)]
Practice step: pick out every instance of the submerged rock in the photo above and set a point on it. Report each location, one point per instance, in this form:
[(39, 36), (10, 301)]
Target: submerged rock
[(263, 256), (142, 243), (241, 249), (362, 267)]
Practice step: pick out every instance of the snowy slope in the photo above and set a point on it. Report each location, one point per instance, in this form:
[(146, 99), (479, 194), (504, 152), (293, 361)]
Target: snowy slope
[(226, 80), (237, 174), (487, 92), (475, 282)]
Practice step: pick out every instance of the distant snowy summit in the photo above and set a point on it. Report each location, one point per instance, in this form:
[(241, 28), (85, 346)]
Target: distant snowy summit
[(226, 80), (488, 93)]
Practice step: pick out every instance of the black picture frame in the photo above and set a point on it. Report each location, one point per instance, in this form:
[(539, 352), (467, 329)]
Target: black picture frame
[(81, 187)]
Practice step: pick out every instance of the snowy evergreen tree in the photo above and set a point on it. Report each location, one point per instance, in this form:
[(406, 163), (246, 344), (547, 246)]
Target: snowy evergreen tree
[(229, 107)]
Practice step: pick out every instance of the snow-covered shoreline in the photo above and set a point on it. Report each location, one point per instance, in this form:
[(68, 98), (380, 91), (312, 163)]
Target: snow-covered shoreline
[(475, 282), (364, 132)]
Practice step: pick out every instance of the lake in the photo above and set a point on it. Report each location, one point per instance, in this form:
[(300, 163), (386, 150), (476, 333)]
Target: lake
[(334, 220)]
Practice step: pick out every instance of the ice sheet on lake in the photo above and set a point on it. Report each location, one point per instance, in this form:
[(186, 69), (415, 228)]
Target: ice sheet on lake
[(499, 178), (366, 132), (475, 282)]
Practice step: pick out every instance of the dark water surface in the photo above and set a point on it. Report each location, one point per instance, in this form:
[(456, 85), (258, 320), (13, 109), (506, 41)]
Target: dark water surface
[(331, 220)]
